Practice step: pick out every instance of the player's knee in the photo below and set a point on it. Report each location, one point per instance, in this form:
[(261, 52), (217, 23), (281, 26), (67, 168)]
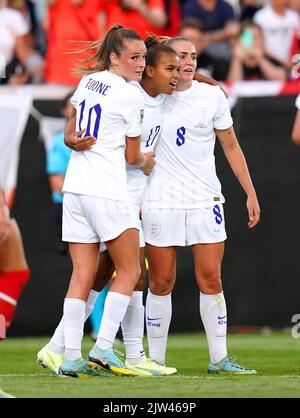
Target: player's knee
[(130, 273), (162, 285), (210, 282), (135, 272), (81, 282)]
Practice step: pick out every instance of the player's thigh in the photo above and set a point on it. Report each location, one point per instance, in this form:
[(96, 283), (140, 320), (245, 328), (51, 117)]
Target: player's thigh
[(125, 251), (85, 260), (84, 257), (208, 264), (12, 255)]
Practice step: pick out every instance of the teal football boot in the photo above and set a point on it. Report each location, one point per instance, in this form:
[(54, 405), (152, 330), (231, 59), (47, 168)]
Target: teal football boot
[(228, 366)]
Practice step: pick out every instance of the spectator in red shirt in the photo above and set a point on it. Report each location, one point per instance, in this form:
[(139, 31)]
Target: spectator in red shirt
[(139, 15), (173, 12), (69, 20)]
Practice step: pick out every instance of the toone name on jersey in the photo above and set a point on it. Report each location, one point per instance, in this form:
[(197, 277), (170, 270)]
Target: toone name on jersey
[(97, 86)]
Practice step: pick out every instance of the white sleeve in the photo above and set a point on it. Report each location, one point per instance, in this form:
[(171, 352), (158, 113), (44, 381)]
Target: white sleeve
[(134, 113), (298, 102), (18, 24), (222, 119), (257, 18), (297, 25), (74, 98)]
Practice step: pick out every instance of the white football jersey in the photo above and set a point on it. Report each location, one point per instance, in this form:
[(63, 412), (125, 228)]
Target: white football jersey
[(108, 108), (185, 175), (298, 102), (2, 176), (151, 129)]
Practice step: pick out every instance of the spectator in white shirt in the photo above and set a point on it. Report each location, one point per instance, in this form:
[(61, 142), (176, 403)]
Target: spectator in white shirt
[(14, 43), (280, 26)]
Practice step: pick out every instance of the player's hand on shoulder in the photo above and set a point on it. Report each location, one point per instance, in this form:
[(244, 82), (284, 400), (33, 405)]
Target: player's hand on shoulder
[(150, 163), (223, 90), (76, 143), (211, 81)]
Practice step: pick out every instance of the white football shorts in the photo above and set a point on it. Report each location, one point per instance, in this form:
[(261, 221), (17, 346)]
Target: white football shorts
[(142, 240), (89, 219), (183, 227)]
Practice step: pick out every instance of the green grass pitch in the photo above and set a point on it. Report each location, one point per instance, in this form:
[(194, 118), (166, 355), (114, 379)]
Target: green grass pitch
[(276, 357)]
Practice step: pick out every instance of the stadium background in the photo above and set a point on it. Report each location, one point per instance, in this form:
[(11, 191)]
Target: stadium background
[(261, 269)]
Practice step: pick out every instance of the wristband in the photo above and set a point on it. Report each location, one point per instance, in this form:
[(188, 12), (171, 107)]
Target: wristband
[(142, 163)]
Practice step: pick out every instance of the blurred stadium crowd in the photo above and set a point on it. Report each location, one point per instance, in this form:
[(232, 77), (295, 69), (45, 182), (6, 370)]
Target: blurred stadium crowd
[(235, 39)]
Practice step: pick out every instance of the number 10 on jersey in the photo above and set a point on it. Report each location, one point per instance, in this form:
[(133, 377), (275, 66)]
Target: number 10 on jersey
[(93, 120)]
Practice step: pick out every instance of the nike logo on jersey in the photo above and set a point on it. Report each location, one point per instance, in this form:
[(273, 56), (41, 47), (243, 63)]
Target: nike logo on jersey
[(222, 317)]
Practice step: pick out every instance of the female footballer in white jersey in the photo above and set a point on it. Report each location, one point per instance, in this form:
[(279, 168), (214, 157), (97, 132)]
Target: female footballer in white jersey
[(96, 204), (183, 206), (159, 79)]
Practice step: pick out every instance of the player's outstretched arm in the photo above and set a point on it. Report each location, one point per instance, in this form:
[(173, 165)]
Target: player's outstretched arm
[(238, 164)]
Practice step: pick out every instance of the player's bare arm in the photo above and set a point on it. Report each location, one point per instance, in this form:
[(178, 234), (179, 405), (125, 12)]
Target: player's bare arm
[(296, 129), (238, 164), (207, 80), (133, 155), (73, 138)]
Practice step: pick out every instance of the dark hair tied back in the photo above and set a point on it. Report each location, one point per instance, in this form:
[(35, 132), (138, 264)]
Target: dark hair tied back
[(152, 40)]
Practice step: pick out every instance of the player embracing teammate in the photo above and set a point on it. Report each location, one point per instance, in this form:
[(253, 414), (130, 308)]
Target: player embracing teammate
[(182, 205)]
